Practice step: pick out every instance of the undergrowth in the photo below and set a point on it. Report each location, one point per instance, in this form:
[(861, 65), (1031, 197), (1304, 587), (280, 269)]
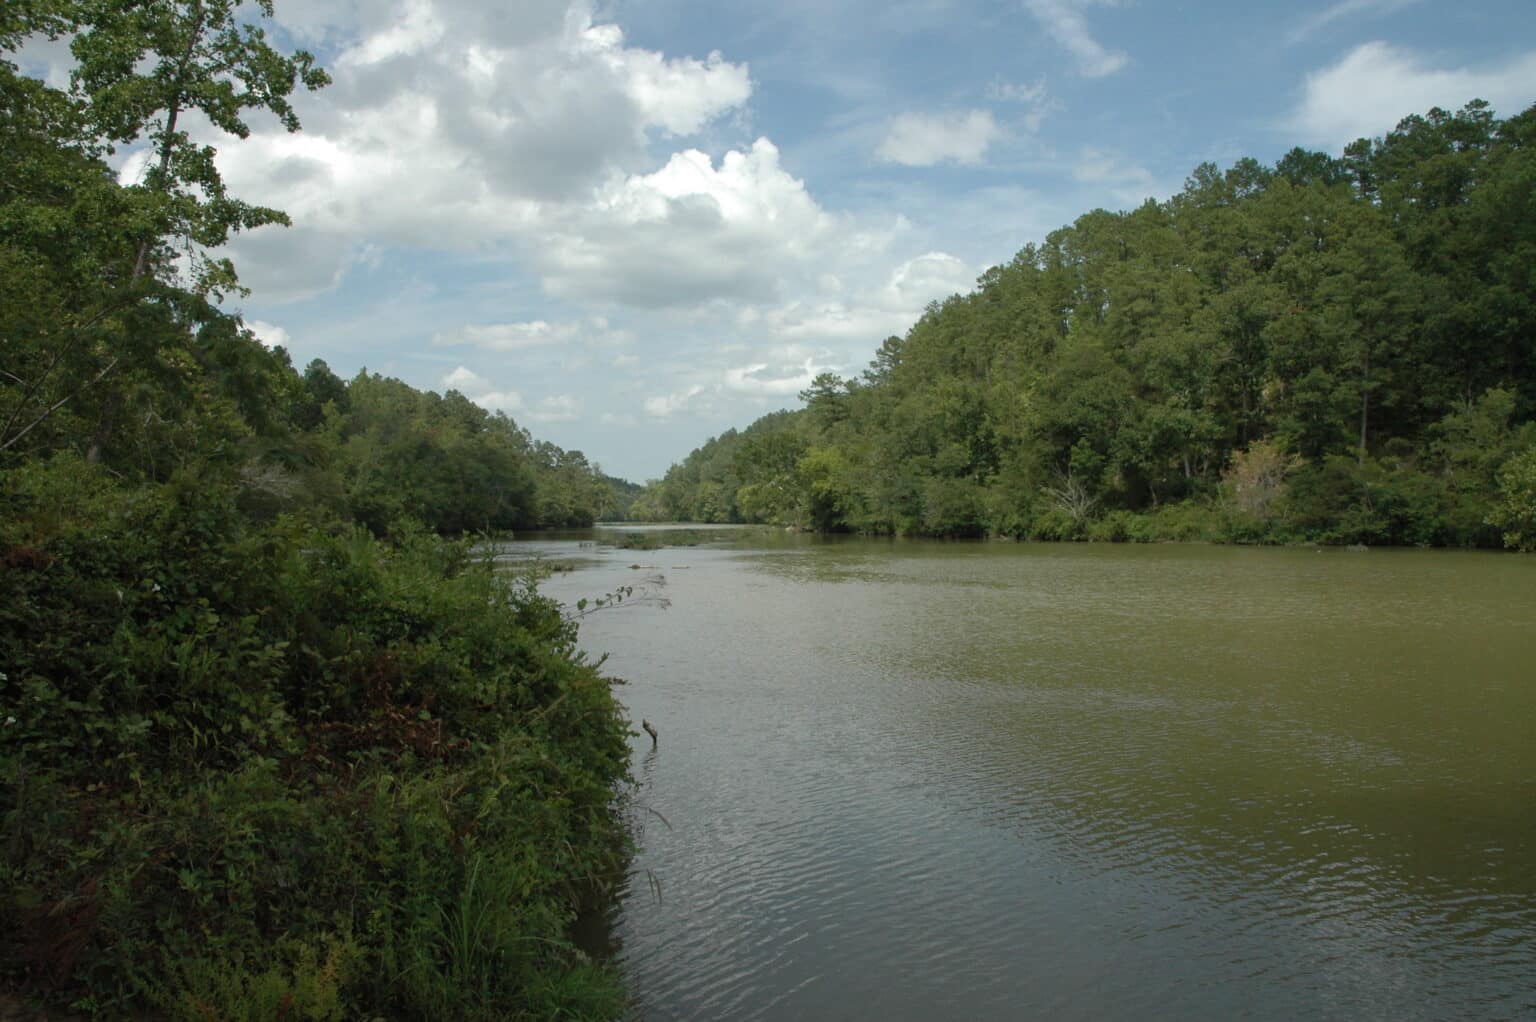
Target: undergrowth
[(288, 770)]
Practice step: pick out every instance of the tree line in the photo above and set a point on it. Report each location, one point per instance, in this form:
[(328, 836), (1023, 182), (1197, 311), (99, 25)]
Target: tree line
[(270, 746), (375, 449), (1327, 349)]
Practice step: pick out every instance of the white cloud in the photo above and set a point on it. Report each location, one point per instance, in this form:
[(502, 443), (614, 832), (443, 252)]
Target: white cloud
[(556, 408), (417, 27), (508, 336), (922, 140), (48, 59), (668, 405), (693, 232), (680, 96), (862, 320), (1376, 85), (481, 391), (463, 379), (779, 381), (498, 400), (1346, 9), (490, 135), (1066, 23), (269, 334), (919, 281)]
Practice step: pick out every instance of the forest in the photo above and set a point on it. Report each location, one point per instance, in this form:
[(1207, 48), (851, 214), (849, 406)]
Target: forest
[(273, 744), (1334, 350)]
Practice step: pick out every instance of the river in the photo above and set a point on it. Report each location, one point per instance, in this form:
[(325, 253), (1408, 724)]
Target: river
[(923, 780)]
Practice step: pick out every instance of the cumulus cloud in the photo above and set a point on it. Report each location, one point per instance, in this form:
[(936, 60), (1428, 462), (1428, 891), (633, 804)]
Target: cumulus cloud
[(269, 334), (1065, 22), (1377, 84), (862, 319), (679, 95), (691, 232), (462, 379), (919, 281), (481, 391), (481, 136), (527, 145), (922, 140), (498, 400)]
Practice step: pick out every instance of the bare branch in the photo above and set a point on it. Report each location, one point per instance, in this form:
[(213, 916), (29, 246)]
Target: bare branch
[(1071, 496), (60, 403)]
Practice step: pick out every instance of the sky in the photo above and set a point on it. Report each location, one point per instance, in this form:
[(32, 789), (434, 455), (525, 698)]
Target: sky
[(634, 224)]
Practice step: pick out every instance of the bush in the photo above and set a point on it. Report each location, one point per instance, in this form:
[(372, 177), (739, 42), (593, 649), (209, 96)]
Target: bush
[(1515, 513), (1119, 527), (1347, 501), (289, 765)]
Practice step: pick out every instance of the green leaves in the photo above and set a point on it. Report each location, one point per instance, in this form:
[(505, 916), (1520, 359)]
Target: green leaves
[(1344, 312), (254, 767), (142, 68), (1515, 513), (101, 323)]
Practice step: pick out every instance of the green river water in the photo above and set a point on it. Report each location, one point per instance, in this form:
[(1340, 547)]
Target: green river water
[(921, 780)]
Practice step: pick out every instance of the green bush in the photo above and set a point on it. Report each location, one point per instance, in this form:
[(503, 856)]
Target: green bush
[(1515, 513), (1056, 524), (1344, 500), (287, 769), (1117, 527)]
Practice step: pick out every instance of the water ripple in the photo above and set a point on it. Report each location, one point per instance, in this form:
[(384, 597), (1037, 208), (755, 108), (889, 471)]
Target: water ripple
[(930, 781)]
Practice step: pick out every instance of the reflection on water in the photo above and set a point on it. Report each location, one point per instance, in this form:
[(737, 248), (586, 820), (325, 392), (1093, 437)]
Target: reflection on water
[(922, 780)]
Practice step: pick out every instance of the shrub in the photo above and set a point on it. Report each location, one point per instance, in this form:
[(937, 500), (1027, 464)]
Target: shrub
[(288, 764), (1515, 513)]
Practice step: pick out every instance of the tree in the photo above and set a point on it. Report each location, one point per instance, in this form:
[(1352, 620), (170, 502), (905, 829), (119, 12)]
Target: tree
[(1257, 478), (101, 255), (826, 400), (1314, 333), (142, 68)]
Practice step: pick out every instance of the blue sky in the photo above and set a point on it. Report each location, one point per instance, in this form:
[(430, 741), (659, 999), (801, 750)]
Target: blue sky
[(633, 225)]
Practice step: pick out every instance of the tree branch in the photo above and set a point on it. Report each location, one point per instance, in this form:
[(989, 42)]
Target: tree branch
[(57, 405)]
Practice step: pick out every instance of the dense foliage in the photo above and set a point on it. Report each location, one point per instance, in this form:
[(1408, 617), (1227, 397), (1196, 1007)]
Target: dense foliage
[(1341, 350), (250, 766), (269, 746), (376, 449)]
